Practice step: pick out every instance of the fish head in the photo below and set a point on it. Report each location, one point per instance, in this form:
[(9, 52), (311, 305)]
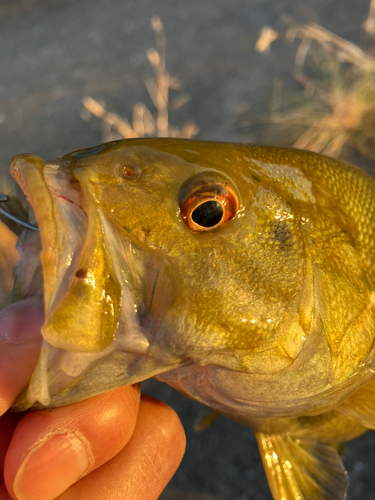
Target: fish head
[(224, 270)]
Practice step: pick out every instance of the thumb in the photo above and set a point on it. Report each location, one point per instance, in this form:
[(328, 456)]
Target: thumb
[(20, 343)]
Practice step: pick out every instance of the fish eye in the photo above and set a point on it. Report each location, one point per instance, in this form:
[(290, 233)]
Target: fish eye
[(208, 214), (207, 203)]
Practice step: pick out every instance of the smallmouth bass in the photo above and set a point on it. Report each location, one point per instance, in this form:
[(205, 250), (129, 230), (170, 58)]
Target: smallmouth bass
[(243, 276)]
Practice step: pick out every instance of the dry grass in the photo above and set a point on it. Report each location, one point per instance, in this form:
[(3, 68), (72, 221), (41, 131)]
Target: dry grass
[(369, 24), (266, 37), (336, 109), (144, 123)]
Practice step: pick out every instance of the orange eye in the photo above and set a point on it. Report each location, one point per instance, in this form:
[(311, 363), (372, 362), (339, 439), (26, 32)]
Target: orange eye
[(207, 203)]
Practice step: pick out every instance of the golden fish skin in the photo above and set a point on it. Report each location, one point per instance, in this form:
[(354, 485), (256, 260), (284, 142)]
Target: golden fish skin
[(241, 275)]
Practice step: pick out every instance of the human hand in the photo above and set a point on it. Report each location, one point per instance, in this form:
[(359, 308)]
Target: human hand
[(116, 445)]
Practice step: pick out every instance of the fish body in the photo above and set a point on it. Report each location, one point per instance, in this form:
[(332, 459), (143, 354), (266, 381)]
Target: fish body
[(243, 276)]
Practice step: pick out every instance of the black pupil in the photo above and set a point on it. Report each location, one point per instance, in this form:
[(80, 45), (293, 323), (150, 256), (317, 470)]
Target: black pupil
[(208, 214)]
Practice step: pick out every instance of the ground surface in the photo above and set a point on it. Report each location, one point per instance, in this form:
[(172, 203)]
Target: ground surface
[(54, 52)]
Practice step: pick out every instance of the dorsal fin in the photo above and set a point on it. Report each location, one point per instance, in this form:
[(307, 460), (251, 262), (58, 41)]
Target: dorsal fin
[(301, 469), (361, 405)]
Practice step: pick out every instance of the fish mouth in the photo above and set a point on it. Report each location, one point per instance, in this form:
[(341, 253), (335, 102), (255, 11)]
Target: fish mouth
[(82, 293), (95, 277), (56, 198)]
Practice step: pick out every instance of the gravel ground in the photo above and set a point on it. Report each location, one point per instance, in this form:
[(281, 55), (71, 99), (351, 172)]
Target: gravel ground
[(55, 52)]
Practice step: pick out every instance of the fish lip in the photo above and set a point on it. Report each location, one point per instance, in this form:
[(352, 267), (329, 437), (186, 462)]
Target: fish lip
[(58, 205)]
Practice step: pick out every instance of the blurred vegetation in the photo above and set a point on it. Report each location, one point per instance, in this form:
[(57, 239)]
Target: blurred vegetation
[(146, 123), (335, 109), (333, 112)]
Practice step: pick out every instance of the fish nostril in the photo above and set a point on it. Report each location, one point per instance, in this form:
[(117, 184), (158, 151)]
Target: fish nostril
[(130, 171)]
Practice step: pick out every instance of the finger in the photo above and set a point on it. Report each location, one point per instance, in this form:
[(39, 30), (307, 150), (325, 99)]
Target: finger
[(4, 495), (51, 449), (8, 423), (20, 342), (144, 467)]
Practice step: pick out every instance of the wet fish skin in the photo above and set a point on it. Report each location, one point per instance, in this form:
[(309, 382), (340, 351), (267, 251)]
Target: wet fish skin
[(267, 317)]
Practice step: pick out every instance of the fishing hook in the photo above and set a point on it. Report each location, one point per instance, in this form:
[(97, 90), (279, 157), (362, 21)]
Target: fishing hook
[(4, 197)]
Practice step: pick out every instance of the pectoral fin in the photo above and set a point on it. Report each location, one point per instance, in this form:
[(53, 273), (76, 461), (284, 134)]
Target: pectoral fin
[(299, 469), (361, 405), (204, 422)]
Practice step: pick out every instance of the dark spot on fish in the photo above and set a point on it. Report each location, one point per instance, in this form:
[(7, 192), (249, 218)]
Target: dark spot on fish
[(82, 273), (255, 178), (280, 231)]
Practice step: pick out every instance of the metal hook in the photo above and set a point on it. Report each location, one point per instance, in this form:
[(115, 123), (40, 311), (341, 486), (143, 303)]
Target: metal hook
[(4, 197)]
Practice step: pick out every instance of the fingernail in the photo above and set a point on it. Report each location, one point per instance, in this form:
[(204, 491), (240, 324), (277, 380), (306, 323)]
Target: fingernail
[(50, 468)]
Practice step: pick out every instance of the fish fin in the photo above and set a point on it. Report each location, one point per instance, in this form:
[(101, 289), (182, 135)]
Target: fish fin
[(360, 406), (302, 469), (204, 422)]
